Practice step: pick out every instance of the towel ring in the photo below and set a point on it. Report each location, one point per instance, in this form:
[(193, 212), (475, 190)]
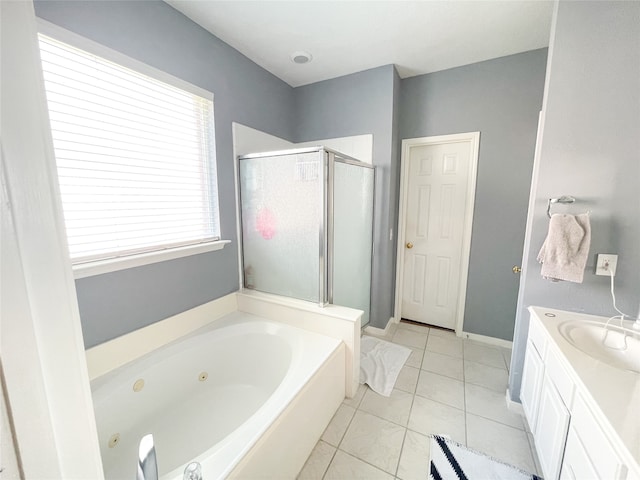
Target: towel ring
[(562, 199)]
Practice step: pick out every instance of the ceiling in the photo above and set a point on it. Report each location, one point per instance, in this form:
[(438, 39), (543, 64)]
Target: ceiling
[(345, 37)]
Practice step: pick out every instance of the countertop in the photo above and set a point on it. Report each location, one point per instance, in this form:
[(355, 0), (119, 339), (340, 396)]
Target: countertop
[(614, 394)]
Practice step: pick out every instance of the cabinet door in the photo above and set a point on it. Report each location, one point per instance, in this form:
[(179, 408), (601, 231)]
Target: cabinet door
[(603, 454), (531, 384), (576, 464), (551, 430)]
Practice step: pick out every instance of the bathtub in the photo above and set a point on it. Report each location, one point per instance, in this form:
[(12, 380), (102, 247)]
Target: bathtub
[(245, 397)]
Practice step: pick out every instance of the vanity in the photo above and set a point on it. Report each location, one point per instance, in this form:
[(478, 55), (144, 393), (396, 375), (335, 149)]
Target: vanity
[(581, 395)]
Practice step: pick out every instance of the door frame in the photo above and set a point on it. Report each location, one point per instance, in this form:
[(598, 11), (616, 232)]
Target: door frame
[(473, 138), (44, 365)]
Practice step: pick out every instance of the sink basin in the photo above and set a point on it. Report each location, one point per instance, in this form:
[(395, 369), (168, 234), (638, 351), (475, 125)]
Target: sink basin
[(616, 346)]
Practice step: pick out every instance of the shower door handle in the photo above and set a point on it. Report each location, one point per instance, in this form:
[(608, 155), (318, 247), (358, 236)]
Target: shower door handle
[(409, 245)]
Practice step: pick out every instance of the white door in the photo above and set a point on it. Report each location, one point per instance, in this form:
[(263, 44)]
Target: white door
[(439, 185)]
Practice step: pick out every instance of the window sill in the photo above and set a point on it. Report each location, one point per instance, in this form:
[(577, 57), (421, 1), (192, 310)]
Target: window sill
[(114, 264)]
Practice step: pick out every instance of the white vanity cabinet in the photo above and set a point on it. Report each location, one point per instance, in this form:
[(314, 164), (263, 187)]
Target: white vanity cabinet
[(572, 442), (532, 375), (577, 464), (551, 429), (531, 385), (600, 453), (544, 408)]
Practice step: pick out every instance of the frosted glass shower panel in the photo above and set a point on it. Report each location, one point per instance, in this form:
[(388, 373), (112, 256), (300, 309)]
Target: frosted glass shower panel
[(282, 213), (352, 236)]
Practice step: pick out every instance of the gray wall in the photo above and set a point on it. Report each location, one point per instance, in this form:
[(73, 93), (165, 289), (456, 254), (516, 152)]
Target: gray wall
[(589, 149), (352, 105), (156, 34), (494, 97), (501, 99)]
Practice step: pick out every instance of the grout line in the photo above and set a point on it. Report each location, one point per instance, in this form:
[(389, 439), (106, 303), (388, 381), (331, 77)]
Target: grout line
[(425, 350), (337, 447), (340, 443), (386, 419), (347, 429), (404, 438), (364, 461), (499, 422), (330, 462), (358, 409), (438, 401)]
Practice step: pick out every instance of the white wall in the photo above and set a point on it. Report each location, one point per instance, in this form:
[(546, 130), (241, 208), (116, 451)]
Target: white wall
[(248, 140), (359, 147), (41, 339)]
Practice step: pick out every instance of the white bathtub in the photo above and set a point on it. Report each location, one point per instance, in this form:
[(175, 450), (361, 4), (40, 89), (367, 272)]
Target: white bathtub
[(244, 396)]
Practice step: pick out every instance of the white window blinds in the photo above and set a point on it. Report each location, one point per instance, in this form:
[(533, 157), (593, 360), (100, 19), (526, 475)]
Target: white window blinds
[(135, 157)]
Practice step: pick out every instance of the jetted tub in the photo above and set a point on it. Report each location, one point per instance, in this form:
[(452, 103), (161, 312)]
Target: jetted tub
[(246, 397)]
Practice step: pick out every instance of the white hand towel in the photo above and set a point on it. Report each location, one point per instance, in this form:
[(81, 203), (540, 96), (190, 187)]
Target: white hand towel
[(380, 363), (564, 252)]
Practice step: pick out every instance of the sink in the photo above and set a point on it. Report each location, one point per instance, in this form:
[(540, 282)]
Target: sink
[(616, 346)]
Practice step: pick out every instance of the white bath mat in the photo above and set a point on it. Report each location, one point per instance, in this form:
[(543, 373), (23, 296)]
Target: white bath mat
[(452, 461), (380, 363)]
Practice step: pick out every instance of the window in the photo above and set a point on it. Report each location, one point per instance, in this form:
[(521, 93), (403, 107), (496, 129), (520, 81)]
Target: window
[(135, 157)]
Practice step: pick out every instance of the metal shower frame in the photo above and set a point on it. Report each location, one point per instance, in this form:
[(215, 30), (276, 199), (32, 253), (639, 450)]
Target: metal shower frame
[(326, 226)]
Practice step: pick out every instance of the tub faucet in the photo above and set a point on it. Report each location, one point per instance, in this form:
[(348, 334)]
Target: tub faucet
[(147, 465), (193, 472)]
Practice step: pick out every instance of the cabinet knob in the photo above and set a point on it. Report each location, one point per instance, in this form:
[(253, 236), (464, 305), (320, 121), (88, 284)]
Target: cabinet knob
[(516, 269), (409, 245)]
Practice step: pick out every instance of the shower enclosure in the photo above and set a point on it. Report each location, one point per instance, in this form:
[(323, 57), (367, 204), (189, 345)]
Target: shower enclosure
[(307, 226)]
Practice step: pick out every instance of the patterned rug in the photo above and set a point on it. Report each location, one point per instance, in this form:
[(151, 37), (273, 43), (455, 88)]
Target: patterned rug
[(452, 461)]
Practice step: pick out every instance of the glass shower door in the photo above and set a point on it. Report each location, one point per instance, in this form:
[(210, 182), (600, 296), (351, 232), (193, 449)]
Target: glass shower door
[(352, 236), (282, 215)]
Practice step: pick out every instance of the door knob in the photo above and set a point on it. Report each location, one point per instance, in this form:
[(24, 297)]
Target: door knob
[(516, 269), (409, 245)]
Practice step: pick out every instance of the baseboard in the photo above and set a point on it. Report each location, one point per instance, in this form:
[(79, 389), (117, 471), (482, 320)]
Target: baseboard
[(514, 406), (488, 340), (380, 332)]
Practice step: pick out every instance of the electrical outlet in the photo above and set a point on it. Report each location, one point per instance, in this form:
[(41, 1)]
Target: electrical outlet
[(606, 264)]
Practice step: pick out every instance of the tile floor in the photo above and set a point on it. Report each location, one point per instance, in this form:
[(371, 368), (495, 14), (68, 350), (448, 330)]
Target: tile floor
[(448, 386)]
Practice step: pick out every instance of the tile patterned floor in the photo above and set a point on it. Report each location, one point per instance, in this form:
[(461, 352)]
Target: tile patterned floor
[(448, 386)]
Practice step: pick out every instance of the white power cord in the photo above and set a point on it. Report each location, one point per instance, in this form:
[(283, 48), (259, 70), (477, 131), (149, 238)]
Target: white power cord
[(613, 296), (621, 316), (636, 323)]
